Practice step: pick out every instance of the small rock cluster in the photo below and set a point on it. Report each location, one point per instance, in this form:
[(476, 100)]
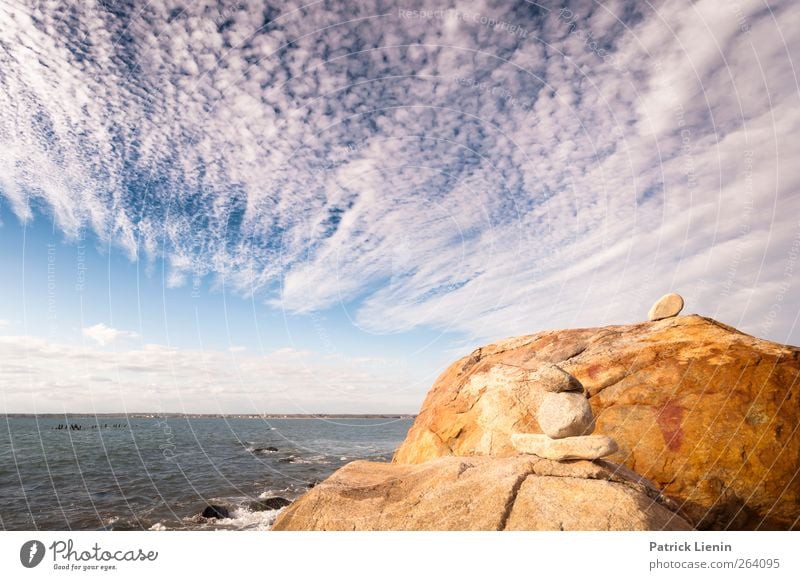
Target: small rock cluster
[(566, 419)]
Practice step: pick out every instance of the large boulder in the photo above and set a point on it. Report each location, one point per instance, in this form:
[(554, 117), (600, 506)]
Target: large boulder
[(483, 493), (709, 414)]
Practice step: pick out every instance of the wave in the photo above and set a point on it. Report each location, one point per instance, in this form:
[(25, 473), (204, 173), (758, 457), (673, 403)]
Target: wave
[(309, 460), (241, 518)]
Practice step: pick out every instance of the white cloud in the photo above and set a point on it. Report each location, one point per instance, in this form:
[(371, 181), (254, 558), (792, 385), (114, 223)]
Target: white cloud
[(104, 335), (39, 375), (424, 171)]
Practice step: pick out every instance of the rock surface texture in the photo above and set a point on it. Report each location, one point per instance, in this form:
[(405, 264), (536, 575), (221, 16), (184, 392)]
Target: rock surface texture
[(667, 306), (483, 493), (709, 414), (589, 447), (554, 379)]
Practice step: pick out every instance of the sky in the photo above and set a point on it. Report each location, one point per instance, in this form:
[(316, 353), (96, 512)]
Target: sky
[(292, 207)]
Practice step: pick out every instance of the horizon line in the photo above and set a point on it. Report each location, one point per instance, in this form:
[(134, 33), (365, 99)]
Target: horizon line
[(150, 415)]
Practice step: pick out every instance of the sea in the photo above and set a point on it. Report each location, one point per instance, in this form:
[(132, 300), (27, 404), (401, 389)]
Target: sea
[(160, 473)]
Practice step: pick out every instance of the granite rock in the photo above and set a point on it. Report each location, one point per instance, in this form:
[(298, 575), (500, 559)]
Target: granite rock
[(668, 306), (588, 447), (708, 413), (554, 379), (565, 415), (483, 493)]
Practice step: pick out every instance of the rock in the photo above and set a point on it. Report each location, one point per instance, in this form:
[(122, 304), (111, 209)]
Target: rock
[(709, 414), (265, 449), (565, 415), (270, 503), (572, 504), (589, 447), (482, 493), (554, 379), (216, 512), (667, 306)]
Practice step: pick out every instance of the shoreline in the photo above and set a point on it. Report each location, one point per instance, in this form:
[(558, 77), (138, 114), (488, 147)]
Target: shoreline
[(211, 415)]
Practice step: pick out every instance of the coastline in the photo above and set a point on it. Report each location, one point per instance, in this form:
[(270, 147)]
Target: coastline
[(212, 415)]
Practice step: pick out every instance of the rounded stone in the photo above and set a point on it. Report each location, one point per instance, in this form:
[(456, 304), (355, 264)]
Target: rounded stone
[(667, 306), (554, 379), (565, 415)]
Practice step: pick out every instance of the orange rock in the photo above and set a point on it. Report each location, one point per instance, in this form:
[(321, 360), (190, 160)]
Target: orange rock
[(708, 413), (483, 493)]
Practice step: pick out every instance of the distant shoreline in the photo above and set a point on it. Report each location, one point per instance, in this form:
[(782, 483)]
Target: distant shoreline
[(209, 415)]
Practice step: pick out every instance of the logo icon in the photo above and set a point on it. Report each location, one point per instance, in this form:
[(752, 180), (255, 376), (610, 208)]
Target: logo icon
[(31, 553)]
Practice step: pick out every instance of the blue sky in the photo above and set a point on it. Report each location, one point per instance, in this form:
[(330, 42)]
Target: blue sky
[(66, 298), (262, 207)]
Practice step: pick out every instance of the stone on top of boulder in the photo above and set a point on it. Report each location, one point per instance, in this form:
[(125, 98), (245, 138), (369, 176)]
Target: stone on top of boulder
[(565, 415), (588, 447), (668, 306), (554, 379)]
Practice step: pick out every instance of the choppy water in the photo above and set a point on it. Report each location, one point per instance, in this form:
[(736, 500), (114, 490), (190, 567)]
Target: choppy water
[(160, 473)]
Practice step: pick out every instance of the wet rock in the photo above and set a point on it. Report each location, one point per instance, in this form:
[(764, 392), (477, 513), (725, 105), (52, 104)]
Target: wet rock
[(213, 511), (270, 503)]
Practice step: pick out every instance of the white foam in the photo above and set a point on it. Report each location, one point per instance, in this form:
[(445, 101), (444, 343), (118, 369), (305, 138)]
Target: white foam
[(272, 493), (259, 449), (313, 459), (244, 519), (241, 517)]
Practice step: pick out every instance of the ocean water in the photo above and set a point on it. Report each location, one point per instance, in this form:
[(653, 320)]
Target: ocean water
[(119, 473)]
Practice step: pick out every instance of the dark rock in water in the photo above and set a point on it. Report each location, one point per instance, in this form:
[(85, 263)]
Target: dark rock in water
[(312, 483), (216, 512), (271, 503), (266, 449)]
